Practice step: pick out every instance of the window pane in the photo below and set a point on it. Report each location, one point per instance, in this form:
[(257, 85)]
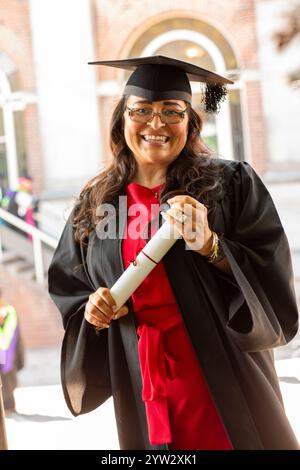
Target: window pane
[(236, 125), (209, 129), (3, 170), (20, 142), (1, 124), (187, 51)]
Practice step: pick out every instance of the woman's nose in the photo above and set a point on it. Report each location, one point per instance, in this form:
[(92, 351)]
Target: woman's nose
[(156, 122)]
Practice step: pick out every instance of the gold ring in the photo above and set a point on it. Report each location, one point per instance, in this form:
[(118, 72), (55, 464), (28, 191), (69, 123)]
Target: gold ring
[(182, 218)]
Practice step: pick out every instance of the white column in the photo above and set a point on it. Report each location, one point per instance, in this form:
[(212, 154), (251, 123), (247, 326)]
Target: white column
[(9, 132), (11, 150), (66, 88)]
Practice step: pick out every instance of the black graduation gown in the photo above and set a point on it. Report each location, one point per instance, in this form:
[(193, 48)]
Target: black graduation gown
[(233, 321)]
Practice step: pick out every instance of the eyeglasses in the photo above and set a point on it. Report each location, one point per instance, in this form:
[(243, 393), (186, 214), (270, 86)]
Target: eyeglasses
[(145, 115)]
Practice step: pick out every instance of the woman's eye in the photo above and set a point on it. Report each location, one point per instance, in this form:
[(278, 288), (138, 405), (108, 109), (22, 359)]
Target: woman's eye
[(170, 112), (143, 111)]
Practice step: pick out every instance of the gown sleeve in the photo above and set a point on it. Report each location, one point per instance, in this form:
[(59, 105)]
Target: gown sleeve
[(261, 301), (84, 357)]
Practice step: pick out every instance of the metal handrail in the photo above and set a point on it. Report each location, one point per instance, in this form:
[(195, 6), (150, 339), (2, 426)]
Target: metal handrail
[(38, 237)]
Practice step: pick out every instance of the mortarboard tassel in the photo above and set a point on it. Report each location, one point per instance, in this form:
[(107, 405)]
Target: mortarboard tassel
[(213, 95)]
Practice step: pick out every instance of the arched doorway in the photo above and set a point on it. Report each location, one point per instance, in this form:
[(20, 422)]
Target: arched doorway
[(181, 38)]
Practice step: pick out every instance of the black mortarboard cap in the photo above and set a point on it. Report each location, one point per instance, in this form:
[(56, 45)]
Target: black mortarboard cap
[(158, 77)]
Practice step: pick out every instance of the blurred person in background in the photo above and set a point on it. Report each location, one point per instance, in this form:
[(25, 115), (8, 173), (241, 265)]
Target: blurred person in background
[(188, 359), (21, 203), (11, 353)]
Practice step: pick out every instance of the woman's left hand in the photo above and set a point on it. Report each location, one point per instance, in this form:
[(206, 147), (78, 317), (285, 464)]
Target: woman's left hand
[(189, 216)]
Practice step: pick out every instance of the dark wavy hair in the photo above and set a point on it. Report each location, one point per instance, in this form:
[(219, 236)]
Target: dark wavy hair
[(194, 172)]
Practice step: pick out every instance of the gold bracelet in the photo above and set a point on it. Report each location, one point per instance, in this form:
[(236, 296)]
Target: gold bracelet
[(216, 254), (213, 245)]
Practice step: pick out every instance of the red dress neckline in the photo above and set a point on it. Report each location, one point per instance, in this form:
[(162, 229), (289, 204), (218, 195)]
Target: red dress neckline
[(145, 187)]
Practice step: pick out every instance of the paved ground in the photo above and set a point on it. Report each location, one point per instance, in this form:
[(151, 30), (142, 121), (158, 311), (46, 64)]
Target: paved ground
[(44, 422)]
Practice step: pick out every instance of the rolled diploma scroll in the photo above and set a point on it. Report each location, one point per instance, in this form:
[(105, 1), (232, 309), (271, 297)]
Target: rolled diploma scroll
[(146, 260)]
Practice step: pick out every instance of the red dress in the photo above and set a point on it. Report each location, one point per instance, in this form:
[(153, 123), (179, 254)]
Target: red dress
[(179, 407)]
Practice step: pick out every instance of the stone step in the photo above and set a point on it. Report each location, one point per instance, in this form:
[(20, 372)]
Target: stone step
[(10, 257), (18, 266)]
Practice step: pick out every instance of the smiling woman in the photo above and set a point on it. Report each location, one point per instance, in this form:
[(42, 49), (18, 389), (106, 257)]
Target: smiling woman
[(188, 359)]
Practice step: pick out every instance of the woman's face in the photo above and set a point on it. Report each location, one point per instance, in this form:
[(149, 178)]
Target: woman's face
[(155, 142)]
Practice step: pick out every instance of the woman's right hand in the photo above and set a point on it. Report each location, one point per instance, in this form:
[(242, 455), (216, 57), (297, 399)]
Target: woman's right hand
[(100, 309)]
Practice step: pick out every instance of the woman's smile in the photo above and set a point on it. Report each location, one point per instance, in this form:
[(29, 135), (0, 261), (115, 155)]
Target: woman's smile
[(158, 140)]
